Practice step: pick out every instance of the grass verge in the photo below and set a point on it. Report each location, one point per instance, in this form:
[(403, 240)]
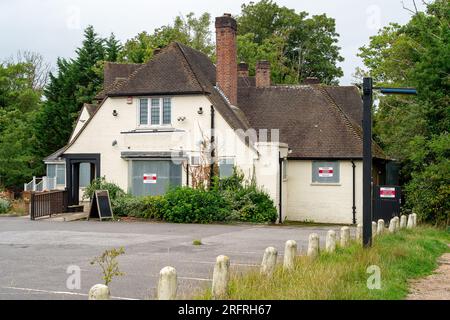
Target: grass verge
[(343, 275)]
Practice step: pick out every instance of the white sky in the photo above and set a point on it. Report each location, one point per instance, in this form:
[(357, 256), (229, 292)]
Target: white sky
[(55, 27)]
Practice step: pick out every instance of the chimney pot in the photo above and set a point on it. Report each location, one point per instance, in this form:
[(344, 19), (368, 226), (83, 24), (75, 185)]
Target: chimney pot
[(226, 53), (263, 74), (242, 69), (311, 80)]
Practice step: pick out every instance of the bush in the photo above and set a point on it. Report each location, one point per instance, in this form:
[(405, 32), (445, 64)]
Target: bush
[(5, 205), (128, 206), (101, 184), (148, 207), (247, 201), (188, 205)]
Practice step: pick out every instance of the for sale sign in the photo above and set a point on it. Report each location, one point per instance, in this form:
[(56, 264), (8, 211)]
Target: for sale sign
[(150, 178), (386, 192), (325, 172)]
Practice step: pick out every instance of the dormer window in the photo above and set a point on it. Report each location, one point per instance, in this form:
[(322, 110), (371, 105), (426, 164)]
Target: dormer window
[(155, 111)]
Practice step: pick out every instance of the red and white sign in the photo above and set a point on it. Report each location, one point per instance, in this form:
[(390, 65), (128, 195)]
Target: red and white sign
[(149, 178), (325, 172), (387, 192)]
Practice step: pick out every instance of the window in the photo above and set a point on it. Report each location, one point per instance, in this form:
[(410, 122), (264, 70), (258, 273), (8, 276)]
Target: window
[(58, 171), (166, 110), (143, 111), (165, 174), (325, 172), (85, 174), (226, 166), (155, 118), (155, 111)]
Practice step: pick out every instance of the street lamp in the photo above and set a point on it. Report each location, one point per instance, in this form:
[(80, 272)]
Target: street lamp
[(367, 151)]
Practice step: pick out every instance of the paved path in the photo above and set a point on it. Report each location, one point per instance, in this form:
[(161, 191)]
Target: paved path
[(435, 286), (36, 254)]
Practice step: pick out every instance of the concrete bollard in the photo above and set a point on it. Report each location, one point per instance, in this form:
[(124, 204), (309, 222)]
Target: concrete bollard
[(167, 285), (290, 251), (330, 245), (269, 261), (414, 220), (345, 236), (313, 245), (359, 232), (403, 219), (221, 277), (392, 225), (99, 292), (410, 223), (374, 230), (397, 223), (380, 227)]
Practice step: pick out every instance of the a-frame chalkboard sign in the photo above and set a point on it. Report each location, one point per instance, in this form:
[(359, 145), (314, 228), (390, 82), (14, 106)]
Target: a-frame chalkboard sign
[(101, 206)]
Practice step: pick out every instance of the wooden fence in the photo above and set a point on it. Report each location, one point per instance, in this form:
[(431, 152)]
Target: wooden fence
[(47, 203)]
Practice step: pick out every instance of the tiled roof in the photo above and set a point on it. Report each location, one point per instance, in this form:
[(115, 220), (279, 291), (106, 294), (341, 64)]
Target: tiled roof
[(310, 122), (315, 121)]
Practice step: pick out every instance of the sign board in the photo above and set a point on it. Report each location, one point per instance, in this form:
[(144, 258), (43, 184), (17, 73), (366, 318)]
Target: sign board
[(387, 192), (325, 172), (149, 178), (101, 206)]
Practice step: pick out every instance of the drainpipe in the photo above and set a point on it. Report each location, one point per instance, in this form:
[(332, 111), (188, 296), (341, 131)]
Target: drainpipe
[(353, 196), (187, 173), (213, 149), (280, 181)]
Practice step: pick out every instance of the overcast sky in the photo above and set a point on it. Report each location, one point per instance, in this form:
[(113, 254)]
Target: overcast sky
[(54, 28)]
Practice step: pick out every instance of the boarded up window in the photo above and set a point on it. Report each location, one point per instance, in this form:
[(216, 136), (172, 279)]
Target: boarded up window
[(325, 172), (162, 173)]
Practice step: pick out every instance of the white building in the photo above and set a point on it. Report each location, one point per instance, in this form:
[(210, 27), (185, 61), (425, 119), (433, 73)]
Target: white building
[(302, 143)]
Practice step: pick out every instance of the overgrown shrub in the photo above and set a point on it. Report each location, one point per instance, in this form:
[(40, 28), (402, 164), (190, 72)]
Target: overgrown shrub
[(148, 207), (188, 205), (5, 205), (247, 201), (128, 206), (101, 184)]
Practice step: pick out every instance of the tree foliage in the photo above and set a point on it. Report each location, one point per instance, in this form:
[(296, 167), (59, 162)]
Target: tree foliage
[(188, 30), (297, 46), (415, 130), (19, 101)]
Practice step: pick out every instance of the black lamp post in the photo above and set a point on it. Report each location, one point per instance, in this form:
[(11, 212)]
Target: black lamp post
[(367, 151)]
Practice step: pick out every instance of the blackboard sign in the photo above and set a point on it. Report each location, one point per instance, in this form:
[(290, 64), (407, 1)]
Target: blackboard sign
[(101, 206)]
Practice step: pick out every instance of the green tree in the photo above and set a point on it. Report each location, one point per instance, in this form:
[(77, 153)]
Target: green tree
[(19, 100), (188, 30), (297, 46), (414, 130), (113, 48), (75, 82)]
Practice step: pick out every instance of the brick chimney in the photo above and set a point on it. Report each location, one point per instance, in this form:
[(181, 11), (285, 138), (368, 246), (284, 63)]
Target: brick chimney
[(226, 53), (242, 69), (262, 74)]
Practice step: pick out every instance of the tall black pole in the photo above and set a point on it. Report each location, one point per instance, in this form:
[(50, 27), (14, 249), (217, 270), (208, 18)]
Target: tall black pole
[(367, 162)]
